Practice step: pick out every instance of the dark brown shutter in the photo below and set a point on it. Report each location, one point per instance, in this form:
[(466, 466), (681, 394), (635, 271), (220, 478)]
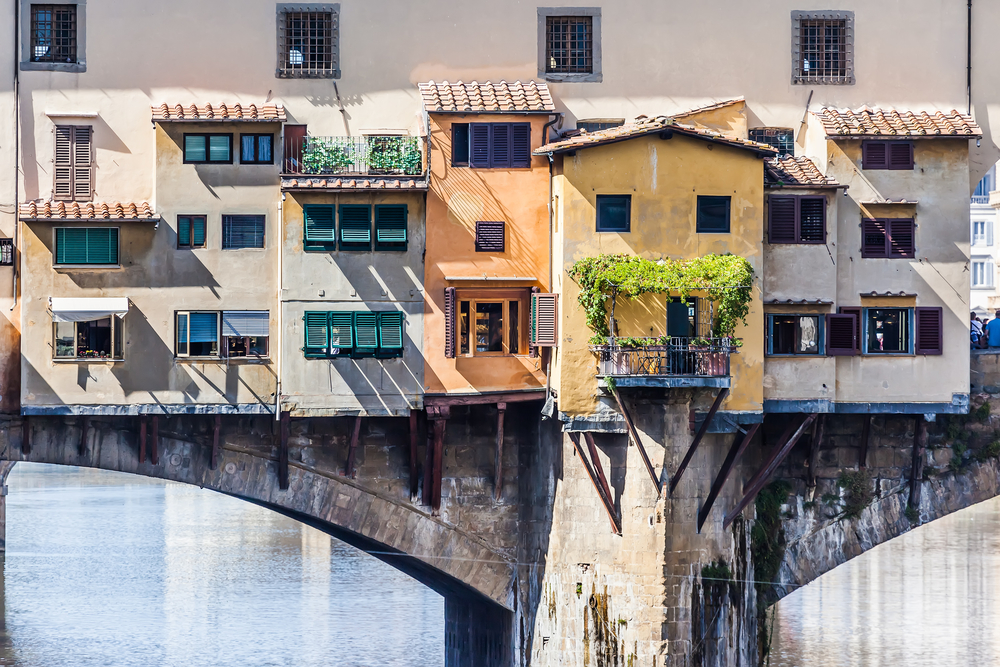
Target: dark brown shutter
[(520, 145), (83, 181), (900, 155), (840, 335), (544, 320), (857, 312), (500, 145), (479, 145), (449, 322), (490, 236), (812, 220), (62, 188), (873, 238), (781, 219), (901, 242), (874, 155), (929, 325)]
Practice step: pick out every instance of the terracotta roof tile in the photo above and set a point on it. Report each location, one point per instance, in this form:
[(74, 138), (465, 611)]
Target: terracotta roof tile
[(270, 113), (488, 97), (70, 211), (868, 122), (353, 183), (791, 171), (643, 126), (709, 107)]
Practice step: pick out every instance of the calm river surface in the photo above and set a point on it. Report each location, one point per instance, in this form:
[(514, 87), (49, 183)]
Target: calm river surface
[(105, 568)]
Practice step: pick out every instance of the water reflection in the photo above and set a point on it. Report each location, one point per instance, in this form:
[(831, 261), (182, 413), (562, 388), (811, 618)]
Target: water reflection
[(110, 569), (930, 597)]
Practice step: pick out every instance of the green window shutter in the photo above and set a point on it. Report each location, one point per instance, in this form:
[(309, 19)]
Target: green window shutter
[(355, 227), (342, 332), (219, 147), (390, 225), (102, 245), (390, 333), (86, 245), (194, 148), (317, 333), (183, 232), (365, 333), (198, 230), (320, 229), (71, 245)]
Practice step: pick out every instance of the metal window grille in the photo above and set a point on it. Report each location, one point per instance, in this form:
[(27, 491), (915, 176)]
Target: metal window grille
[(781, 138), (308, 45), (569, 44), (823, 49), (6, 252), (53, 33)]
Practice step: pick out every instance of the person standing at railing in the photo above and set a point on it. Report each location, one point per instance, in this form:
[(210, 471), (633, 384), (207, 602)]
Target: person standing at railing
[(993, 331)]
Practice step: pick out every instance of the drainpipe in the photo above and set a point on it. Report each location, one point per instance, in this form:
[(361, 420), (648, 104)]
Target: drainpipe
[(968, 73), (281, 306), (17, 152)]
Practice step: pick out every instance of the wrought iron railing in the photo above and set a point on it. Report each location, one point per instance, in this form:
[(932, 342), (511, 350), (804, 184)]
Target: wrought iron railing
[(980, 199), (366, 155), (659, 357)]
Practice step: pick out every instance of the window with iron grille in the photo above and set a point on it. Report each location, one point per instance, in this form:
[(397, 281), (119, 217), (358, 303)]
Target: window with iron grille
[(598, 125), (823, 47), (309, 41), (6, 252), (569, 43), (780, 138), (53, 34)]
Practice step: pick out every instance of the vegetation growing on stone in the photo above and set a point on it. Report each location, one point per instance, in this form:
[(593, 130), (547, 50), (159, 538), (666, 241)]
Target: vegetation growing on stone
[(767, 546), (987, 452), (858, 494), (912, 514)]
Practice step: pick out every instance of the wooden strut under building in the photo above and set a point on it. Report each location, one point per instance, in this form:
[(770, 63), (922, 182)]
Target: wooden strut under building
[(439, 416), (740, 444), (26, 436), (285, 428), (596, 473), (698, 438), (866, 429), (781, 450), (817, 442), (142, 439), (414, 473), (215, 442), (154, 456), (634, 435), (917, 465), (498, 464), (82, 448), (349, 468)]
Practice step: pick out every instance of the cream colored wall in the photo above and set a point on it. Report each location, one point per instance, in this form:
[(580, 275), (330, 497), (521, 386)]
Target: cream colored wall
[(664, 179)]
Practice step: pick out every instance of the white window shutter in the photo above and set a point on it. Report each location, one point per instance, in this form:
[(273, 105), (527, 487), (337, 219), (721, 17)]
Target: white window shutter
[(988, 270), (989, 232)]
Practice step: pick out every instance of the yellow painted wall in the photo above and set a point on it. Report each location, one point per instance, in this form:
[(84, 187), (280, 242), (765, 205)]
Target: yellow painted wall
[(664, 179)]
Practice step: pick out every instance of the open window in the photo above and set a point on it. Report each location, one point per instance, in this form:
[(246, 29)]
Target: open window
[(88, 329), (794, 334), (245, 333), (197, 334), (490, 322)]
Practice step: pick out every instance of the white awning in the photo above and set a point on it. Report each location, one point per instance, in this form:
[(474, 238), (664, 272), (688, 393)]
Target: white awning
[(86, 310)]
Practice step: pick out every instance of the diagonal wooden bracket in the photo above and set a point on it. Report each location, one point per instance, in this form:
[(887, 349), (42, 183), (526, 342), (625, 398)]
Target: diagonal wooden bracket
[(697, 439), (602, 490), (758, 481), (740, 445), (634, 435), (285, 426)]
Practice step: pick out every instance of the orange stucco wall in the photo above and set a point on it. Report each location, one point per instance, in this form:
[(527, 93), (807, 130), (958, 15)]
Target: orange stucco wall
[(458, 197)]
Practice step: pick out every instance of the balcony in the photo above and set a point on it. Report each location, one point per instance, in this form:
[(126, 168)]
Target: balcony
[(354, 163), (668, 363)]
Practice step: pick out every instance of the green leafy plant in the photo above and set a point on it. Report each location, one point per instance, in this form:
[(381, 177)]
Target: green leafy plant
[(982, 413), (958, 460), (327, 155), (767, 547), (858, 495), (987, 452), (727, 280), (912, 514)]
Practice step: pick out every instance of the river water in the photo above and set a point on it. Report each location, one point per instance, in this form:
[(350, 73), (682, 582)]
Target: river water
[(105, 568)]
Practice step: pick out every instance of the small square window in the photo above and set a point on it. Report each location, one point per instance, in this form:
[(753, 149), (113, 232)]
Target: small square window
[(208, 148), (822, 47), (887, 331), (780, 138), (191, 231), (308, 41), (794, 334), (53, 34), (614, 213), (569, 45), (256, 149), (713, 215), (242, 231)]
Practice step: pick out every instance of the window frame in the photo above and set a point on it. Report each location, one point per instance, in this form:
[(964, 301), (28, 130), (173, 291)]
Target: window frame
[(257, 136), (208, 149), (776, 143), (887, 251), (798, 75), (88, 265), (598, 227), (503, 296), (117, 341), (355, 351), (190, 223), (456, 157), (820, 335), (867, 164), (989, 272), (284, 68), (596, 70), (798, 199), (910, 331), (263, 235), (218, 335), (729, 214), (26, 63)]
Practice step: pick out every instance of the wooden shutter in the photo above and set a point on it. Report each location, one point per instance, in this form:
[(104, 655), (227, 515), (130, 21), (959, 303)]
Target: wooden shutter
[(929, 330), (317, 332), (449, 322), (198, 231), (544, 327), (857, 312), (812, 220), (320, 229), (390, 333), (71, 245), (62, 188), (901, 241), (900, 155), (781, 219), (365, 333), (83, 182), (840, 335), (490, 236), (342, 333), (479, 145), (390, 225), (873, 238), (500, 145), (520, 145), (355, 227), (874, 155), (183, 232)]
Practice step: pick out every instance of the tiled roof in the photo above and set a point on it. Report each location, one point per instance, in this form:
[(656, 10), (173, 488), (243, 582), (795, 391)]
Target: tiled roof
[(270, 113), (868, 122), (489, 97), (644, 126), (876, 294), (353, 183), (800, 302), (710, 107), (70, 211), (796, 172)]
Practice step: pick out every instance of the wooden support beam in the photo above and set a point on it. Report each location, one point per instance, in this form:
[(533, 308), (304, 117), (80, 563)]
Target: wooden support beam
[(349, 470), (498, 464), (215, 441), (439, 425), (866, 429), (446, 401), (917, 466), (429, 463), (634, 434), (142, 439), (740, 444), (82, 447), (414, 473), (154, 455), (698, 438), (770, 465), (608, 505), (25, 436), (595, 460), (285, 426), (817, 442)]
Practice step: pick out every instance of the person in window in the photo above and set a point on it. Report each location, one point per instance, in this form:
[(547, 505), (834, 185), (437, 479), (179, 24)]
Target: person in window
[(993, 331), (976, 330)]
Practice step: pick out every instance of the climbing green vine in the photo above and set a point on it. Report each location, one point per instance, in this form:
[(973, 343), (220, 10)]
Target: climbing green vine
[(726, 279)]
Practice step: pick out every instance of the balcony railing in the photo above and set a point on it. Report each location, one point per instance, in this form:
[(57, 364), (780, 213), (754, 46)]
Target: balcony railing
[(980, 199), (671, 358), (363, 156)]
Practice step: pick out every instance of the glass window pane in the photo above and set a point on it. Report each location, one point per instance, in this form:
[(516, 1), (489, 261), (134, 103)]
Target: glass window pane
[(613, 213), (808, 335), (264, 148), (194, 148), (460, 145), (119, 334), (513, 308), (218, 148), (65, 339), (489, 327), (888, 330), (248, 145), (713, 215), (93, 339), (182, 333), (257, 346), (783, 334), (464, 327)]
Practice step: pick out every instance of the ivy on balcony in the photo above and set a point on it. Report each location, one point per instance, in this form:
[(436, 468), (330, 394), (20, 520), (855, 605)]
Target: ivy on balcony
[(360, 155), (726, 279)]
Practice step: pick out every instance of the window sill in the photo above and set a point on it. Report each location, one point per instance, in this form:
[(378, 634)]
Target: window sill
[(818, 355), (73, 68), (823, 80), (85, 360), (92, 267), (575, 77)]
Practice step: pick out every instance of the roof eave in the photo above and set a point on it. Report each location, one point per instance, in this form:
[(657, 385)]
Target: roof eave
[(904, 137)]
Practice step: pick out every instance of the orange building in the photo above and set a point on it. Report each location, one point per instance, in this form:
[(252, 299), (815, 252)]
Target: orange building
[(488, 239)]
